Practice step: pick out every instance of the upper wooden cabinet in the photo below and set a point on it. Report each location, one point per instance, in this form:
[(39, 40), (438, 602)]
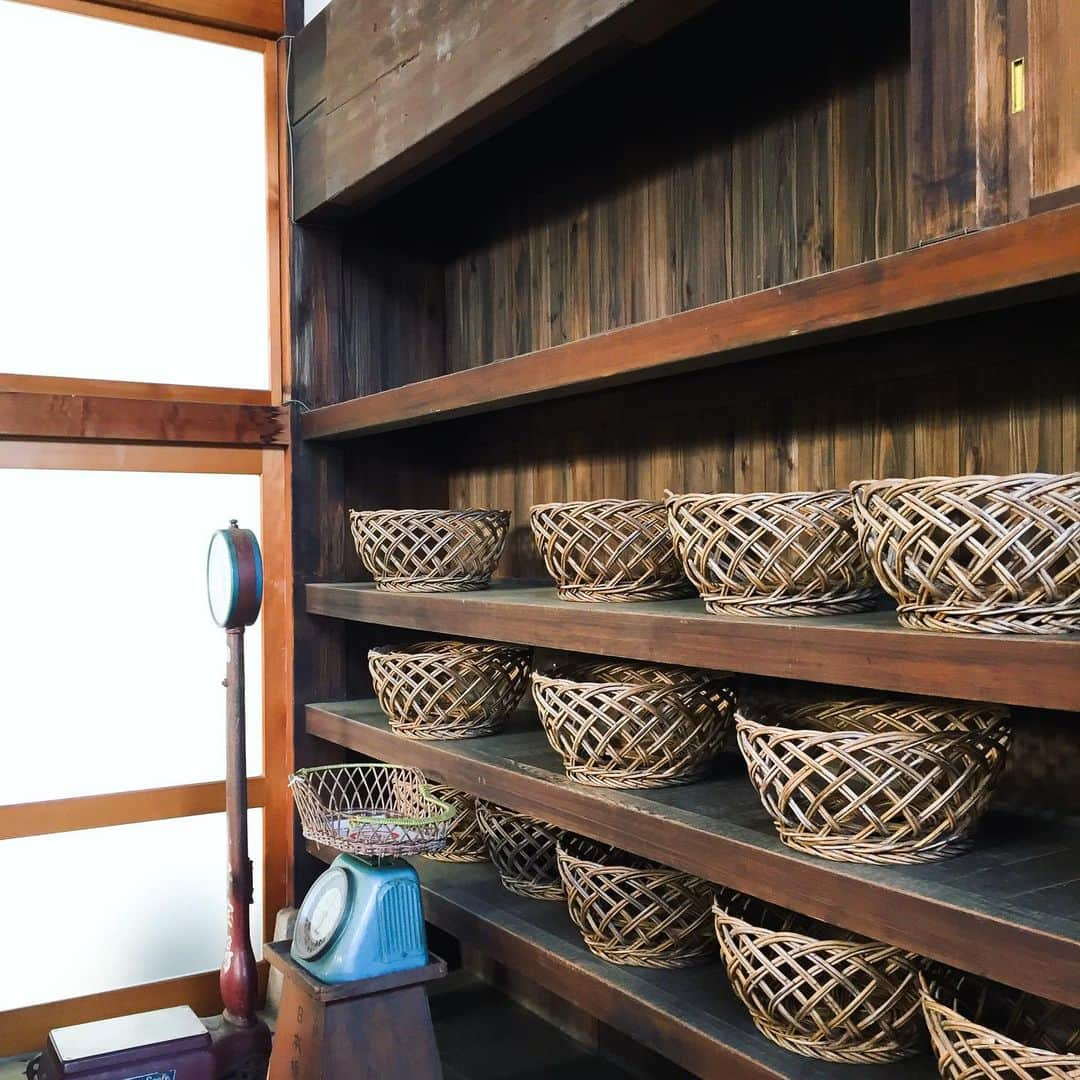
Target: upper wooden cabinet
[(994, 130)]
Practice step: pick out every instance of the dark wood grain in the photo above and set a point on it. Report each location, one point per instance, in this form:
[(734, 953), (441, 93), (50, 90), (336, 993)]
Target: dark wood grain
[(856, 650), (690, 1016), (28, 415), (979, 271), (973, 911), (388, 92)]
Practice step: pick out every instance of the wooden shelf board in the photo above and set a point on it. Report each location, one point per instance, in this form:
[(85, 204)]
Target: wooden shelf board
[(1026, 259), (868, 650), (992, 911), (689, 1016)]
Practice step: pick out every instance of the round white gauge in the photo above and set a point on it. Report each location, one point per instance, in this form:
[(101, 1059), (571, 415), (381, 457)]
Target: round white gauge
[(321, 913), (220, 578)]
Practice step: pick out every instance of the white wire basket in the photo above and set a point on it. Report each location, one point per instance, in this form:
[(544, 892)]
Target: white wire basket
[(370, 810)]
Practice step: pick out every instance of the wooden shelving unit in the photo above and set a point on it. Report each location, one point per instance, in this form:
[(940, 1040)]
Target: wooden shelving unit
[(839, 279), (1005, 910), (1022, 260), (868, 650), (689, 1016)]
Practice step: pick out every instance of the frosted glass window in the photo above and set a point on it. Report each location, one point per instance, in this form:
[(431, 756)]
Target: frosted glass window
[(112, 666), (104, 908), (133, 241)]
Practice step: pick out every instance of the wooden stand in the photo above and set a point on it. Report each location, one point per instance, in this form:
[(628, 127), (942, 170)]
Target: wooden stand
[(374, 1028)]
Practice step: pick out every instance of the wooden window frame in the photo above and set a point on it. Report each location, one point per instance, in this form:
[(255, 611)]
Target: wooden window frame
[(143, 441)]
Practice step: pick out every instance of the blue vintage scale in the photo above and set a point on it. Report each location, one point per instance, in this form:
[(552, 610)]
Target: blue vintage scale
[(362, 918)]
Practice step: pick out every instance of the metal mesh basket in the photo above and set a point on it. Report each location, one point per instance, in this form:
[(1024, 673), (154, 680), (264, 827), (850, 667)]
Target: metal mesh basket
[(371, 810)]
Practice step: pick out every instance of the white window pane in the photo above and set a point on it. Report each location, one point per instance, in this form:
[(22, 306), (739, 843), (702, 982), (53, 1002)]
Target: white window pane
[(156, 908), (112, 665), (133, 243)]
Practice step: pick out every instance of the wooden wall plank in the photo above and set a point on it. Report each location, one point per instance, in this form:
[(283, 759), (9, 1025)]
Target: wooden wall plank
[(1054, 86)]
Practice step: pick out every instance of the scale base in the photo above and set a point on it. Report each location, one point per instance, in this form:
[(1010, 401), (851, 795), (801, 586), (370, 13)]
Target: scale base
[(372, 1029), (240, 1053)]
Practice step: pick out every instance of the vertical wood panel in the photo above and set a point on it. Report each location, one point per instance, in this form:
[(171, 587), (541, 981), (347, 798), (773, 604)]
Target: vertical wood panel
[(1054, 85)]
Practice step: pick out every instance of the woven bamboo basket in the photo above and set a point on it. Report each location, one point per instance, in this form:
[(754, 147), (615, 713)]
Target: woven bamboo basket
[(625, 725), (448, 689), (633, 911), (793, 553), (523, 850), (985, 554), (609, 549), (875, 781), (430, 550), (465, 843), (981, 1029), (836, 998)]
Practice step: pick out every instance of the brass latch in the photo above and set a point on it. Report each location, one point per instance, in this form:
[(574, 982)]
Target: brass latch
[(1016, 85)]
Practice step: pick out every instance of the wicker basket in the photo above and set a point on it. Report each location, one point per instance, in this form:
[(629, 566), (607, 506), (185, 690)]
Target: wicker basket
[(633, 911), (371, 810), (448, 689), (523, 850), (465, 842), (981, 1029), (839, 998), (430, 550), (609, 549), (634, 726), (794, 553), (987, 554), (875, 781)]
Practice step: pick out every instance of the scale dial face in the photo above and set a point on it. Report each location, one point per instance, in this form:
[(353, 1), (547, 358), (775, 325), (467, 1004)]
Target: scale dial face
[(321, 914), (234, 577)]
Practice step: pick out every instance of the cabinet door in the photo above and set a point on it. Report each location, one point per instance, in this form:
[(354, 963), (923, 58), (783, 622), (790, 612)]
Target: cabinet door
[(1052, 80)]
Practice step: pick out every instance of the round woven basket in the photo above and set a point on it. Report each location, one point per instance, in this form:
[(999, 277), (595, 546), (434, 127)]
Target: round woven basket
[(625, 725), (875, 781), (430, 550), (633, 911), (986, 554), (838, 999), (465, 842), (523, 850), (981, 1029), (609, 549), (448, 689), (794, 553)]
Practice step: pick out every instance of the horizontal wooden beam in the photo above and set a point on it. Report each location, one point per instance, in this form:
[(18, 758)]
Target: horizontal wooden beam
[(227, 22), (1038, 256), (381, 91), (1000, 910), (123, 388), (870, 650), (130, 420), (120, 808)]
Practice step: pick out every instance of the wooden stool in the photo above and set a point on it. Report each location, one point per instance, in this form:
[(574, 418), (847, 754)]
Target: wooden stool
[(371, 1029)]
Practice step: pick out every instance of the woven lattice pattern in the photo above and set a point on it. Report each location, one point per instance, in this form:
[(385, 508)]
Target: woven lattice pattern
[(523, 849), (609, 550), (838, 999), (634, 726), (430, 550), (370, 810), (448, 689), (987, 554), (794, 553), (632, 911), (875, 781), (967, 1049), (466, 842)]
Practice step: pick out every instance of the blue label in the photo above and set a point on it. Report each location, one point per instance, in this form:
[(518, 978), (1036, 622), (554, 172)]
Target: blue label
[(170, 1075)]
